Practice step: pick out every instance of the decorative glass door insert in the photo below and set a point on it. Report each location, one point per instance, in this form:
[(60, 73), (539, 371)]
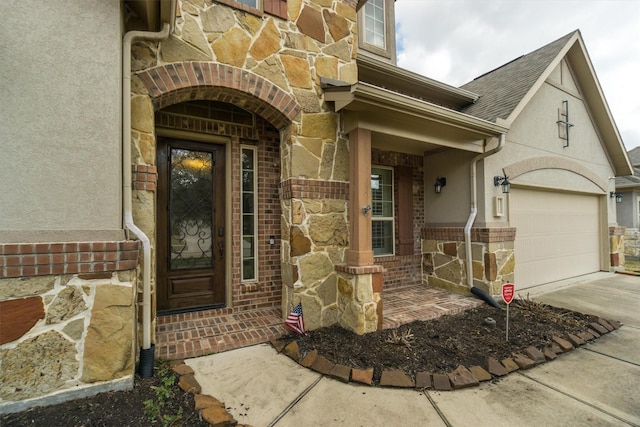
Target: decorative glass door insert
[(191, 208)]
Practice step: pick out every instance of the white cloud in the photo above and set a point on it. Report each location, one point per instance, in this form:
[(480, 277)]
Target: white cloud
[(455, 41), (435, 64)]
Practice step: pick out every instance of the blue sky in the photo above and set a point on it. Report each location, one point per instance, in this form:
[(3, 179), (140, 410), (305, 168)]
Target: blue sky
[(454, 41)]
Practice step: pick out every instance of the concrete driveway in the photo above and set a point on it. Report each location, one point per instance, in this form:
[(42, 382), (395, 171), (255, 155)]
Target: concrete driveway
[(597, 384)]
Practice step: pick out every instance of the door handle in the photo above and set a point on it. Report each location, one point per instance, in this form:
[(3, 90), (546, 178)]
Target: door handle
[(221, 248)]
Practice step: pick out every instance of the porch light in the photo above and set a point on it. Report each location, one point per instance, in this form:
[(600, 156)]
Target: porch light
[(440, 182), (618, 196), (504, 182)]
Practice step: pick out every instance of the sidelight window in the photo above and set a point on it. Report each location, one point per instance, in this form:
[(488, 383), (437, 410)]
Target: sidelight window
[(248, 203)]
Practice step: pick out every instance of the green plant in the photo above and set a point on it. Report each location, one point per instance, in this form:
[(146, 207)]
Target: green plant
[(156, 408)]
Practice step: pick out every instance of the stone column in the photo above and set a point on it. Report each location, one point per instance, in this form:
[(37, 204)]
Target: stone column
[(360, 282), (360, 252)]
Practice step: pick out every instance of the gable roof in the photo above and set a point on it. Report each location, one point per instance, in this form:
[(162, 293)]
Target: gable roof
[(631, 180), (634, 156), (502, 89), (505, 91)]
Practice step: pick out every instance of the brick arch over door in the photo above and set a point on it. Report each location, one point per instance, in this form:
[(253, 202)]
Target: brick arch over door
[(186, 81)]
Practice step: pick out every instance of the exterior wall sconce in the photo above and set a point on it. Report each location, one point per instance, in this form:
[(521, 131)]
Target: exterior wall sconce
[(617, 196), (504, 182), (440, 182)]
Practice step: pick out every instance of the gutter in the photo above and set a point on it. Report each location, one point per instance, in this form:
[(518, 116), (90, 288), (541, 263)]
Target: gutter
[(387, 100), (472, 217), (129, 38), (397, 79)]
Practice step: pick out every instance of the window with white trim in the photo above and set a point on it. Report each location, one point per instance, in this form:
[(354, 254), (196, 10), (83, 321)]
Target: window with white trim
[(374, 24), (248, 220), (376, 29), (382, 222)]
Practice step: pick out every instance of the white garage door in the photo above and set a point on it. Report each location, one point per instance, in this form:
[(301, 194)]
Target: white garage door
[(557, 236)]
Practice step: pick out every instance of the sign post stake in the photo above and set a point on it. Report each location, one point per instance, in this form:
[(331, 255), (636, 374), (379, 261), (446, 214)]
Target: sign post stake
[(507, 322), (508, 291)]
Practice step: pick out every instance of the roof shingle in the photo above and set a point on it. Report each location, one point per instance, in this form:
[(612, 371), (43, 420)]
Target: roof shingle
[(634, 156), (502, 89)]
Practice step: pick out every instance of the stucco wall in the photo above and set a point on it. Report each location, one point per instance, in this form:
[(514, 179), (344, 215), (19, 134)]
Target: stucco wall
[(60, 118), (452, 206)]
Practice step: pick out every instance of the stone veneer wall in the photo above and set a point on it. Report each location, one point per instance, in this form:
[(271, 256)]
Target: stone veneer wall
[(632, 243), (616, 246), (315, 235), (444, 258), (67, 314), (270, 66)]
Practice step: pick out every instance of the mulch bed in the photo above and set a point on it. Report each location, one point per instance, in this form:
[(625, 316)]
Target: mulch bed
[(439, 346), (112, 409)]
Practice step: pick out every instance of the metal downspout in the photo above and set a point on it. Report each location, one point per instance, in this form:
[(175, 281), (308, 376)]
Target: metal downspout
[(128, 39), (474, 207)]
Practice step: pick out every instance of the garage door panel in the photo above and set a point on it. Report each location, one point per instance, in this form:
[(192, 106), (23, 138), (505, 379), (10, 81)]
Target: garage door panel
[(557, 235)]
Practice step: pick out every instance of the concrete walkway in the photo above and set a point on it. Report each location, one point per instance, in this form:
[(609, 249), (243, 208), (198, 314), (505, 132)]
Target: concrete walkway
[(597, 384)]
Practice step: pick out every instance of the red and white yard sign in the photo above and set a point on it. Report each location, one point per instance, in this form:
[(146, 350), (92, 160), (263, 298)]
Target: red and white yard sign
[(508, 291)]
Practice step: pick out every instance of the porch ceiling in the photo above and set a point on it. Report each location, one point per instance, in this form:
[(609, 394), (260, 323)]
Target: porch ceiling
[(407, 124)]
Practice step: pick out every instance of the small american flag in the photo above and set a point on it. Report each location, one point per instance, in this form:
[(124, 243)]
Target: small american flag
[(295, 321)]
